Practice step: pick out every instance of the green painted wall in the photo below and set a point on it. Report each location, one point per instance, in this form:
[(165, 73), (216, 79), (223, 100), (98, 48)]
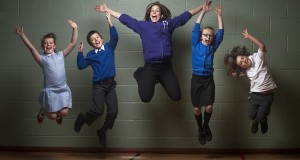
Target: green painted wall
[(160, 123)]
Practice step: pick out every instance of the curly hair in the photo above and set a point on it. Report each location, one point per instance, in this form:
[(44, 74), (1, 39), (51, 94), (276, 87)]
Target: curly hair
[(230, 60), (49, 35), (164, 11)]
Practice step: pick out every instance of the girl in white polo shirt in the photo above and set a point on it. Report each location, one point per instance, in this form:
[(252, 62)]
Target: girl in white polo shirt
[(239, 62)]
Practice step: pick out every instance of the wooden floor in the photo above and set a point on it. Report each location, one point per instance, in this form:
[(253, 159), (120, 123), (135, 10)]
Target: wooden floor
[(141, 156)]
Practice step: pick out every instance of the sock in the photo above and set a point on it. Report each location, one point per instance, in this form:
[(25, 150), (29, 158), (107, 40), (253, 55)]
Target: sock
[(199, 120), (207, 116)]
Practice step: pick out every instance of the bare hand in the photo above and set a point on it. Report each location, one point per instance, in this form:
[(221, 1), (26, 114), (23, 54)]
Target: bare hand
[(101, 8), (218, 9), (206, 3), (19, 29), (80, 48), (72, 23), (205, 6), (246, 34)]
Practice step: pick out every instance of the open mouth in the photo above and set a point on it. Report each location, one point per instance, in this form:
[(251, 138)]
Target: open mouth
[(154, 17)]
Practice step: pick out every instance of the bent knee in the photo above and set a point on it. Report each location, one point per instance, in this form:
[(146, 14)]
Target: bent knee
[(209, 108), (252, 116), (197, 111), (51, 116), (146, 99), (64, 112), (176, 98)]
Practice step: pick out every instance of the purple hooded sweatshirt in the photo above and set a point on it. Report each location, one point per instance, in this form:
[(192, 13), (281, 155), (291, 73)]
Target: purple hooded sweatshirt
[(156, 36)]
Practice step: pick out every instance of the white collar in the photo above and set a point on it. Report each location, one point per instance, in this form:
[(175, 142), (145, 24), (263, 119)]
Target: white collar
[(102, 48), (50, 54)]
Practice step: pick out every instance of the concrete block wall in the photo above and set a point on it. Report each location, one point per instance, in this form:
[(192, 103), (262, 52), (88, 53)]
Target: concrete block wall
[(161, 123)]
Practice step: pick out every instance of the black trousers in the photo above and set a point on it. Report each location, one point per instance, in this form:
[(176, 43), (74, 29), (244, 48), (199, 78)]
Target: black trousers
[(260, 106), (103, 93), (153, 73)]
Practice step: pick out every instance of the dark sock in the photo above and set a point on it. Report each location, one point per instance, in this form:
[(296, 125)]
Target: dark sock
[(199, 120), (207, 116)]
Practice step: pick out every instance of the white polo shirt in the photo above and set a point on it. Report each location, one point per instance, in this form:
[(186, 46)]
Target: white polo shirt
[(260, 78)]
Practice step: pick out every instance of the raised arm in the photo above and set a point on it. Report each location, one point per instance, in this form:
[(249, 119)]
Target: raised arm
[(205, 9), (81, 62), (37, 57), (80, 47), (218, 9), (103, 8), (199, 8), (72, 44), (260, 44), (108, 17)]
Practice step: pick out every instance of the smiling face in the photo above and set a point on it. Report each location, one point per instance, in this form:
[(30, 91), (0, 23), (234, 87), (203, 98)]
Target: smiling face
[(207, 36), (49, 45), (96, 41), (155, 13), (243, 61)]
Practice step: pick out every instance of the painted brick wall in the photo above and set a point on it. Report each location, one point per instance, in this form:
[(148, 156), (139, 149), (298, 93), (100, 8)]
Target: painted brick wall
[(160, 123)]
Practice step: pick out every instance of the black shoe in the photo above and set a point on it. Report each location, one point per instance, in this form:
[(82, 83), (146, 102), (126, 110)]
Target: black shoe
[(59, 119), (102, 137), (254, 127), (207, 132), (201, 137), (264, 127), (79, 122), (41, 115)]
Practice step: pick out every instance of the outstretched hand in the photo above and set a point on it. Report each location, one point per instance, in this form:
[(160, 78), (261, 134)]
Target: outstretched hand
[(218, 9), (246, 34), (205, 6), (80, 48), (206, 3), (72, 23), (101, 7), (19, 30)]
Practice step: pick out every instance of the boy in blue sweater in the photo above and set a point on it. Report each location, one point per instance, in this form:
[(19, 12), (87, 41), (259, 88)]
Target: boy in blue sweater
[(156, 35), (204, 45), (102, 61)]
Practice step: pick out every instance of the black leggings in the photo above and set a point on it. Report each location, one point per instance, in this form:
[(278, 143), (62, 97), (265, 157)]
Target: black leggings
[(153, 73)]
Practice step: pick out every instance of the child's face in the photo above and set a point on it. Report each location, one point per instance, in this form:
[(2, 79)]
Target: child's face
[(243, 61), (155, 13), (207, 36), (49, 45), (96, 41)]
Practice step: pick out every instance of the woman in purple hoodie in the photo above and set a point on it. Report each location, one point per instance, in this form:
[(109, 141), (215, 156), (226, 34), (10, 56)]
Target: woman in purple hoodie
[(156, 34)]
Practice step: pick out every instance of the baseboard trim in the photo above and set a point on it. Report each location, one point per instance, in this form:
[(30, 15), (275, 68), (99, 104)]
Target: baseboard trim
[(151, 150)]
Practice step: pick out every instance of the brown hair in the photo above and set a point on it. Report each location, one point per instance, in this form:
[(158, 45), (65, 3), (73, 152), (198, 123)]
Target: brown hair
[(90, 34), (230, 60), (164, 11), (49, 35)]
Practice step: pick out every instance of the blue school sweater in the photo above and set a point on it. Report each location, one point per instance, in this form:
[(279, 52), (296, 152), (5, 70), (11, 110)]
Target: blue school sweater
[(203, 56), (102, 62)]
